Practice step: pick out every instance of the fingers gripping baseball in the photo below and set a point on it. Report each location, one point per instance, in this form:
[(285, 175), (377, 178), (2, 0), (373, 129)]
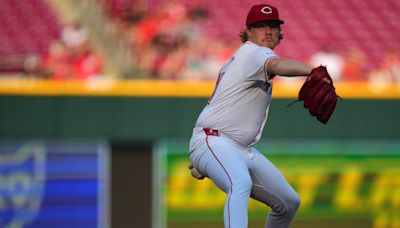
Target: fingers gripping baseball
[(195, 173)]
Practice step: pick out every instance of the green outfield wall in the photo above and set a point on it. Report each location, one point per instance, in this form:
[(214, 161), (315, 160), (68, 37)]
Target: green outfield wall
[(144, 119), (132, 116)]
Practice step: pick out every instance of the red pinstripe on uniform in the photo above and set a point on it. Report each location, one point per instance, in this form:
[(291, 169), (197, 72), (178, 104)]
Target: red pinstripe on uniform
[(229, 196), (267, 77)]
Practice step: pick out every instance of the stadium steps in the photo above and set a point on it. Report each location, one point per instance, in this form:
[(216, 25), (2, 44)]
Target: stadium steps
[(105, 38)]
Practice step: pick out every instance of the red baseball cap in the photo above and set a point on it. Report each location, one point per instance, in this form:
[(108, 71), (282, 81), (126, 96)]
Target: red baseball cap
[(262, 12)]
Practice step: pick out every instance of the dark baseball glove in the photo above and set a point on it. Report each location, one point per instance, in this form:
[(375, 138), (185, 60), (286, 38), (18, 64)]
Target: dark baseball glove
[(319, 95)]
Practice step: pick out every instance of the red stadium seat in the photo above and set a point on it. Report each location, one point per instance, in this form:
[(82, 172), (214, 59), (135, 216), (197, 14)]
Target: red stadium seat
[(27, 26)]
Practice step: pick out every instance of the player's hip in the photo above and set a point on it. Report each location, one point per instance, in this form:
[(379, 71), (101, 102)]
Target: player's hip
[(204, 140)]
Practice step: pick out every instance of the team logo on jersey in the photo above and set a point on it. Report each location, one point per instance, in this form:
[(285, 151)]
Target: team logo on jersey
[(266, 10)]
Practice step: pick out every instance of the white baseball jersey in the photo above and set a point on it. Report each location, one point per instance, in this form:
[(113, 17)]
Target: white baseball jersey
[(239, 104)]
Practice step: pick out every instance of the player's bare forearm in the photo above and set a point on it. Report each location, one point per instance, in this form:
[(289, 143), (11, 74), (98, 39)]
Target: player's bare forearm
[(288, 67)]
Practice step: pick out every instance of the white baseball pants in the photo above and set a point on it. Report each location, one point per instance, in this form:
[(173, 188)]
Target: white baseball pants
[(243, 172)]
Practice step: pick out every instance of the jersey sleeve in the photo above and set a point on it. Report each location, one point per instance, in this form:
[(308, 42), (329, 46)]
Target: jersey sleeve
[(255, 65)]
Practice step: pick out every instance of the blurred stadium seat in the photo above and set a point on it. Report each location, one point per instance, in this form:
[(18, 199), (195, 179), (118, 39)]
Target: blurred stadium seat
[(367, 25), (371, 26), (27, 27)]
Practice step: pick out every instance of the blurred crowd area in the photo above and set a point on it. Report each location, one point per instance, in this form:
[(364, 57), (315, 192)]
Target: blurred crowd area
[(169, 41), (190, 40), (69, 56)]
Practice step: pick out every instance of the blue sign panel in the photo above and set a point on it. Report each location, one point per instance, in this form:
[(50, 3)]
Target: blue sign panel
[(54, 184)]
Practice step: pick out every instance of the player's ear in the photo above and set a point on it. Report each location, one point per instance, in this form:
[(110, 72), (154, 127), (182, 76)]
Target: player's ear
[(279, 39)]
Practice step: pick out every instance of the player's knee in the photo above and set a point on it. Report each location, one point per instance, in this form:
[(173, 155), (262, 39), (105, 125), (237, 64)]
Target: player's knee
[(242, 185), (292, 203), (287, 206)]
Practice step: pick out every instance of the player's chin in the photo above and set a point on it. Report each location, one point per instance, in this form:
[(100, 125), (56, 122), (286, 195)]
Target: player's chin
[(269, 44)]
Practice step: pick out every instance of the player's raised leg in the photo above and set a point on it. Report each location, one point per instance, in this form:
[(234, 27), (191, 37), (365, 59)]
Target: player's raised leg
[(271, 188)]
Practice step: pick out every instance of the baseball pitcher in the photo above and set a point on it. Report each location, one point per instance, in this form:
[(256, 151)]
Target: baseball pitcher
[(221, 146)]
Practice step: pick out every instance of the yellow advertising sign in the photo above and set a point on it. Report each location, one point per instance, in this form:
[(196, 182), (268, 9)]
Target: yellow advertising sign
[(354, 179)]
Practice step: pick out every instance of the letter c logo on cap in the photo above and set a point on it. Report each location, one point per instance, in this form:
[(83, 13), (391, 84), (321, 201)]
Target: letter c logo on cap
[(266, 10)]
